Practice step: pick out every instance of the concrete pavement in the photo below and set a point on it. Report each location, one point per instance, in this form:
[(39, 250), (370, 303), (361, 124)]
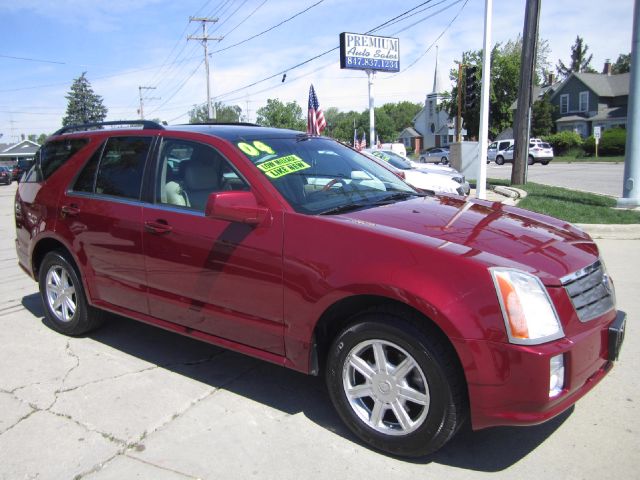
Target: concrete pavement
[(133, 401)]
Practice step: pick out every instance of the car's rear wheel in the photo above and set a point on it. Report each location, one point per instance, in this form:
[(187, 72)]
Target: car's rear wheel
[(530, 160), (395, 387), (499, 160), (444, 160), (65, 303), (546, 162)]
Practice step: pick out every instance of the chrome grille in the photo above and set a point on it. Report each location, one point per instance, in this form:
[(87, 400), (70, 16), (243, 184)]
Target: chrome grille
[(591, 291)]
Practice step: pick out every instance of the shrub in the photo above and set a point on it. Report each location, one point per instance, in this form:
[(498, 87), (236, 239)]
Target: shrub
[(563, 142), (612, 143)]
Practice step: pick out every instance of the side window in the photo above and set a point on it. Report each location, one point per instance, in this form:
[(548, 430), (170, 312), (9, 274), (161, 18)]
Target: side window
[(188, 172), (493, 146), (503, 145), (87, 178), (53, 155), (121, 166)]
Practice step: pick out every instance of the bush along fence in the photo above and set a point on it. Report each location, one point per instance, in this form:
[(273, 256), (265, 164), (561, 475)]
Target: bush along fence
[(612, 143)]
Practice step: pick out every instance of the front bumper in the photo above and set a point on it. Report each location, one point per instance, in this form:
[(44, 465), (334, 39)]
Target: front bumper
[(512, 386)]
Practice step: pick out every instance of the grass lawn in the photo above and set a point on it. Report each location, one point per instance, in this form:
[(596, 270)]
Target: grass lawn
[(573, 159), (571, 205)]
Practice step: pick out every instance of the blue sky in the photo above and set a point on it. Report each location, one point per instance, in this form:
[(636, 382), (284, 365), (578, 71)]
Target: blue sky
[(124, 44)]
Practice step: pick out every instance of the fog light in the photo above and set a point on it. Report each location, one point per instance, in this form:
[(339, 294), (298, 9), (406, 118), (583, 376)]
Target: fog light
[(556, 376)]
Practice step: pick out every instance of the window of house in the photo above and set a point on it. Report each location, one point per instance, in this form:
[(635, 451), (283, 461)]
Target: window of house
[(189, 172), (584, 101), (431, 108), (564, 103)]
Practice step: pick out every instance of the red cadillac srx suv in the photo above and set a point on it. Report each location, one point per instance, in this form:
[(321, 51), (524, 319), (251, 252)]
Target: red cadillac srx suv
[(421, 311)]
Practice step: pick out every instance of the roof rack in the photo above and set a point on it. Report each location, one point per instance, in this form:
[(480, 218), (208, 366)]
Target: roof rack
[(242, 124), (146, 125)]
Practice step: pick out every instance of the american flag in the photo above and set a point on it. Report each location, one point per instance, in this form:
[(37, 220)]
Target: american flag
[(363, 142), (315, 120)]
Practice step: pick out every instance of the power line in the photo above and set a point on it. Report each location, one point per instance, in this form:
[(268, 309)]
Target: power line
[(268, 29), (333, 49)]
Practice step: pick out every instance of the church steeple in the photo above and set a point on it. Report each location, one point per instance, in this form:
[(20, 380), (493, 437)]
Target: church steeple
[(437, 83)]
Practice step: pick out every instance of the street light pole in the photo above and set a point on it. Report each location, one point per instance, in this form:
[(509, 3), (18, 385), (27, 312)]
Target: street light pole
[(630, 187)]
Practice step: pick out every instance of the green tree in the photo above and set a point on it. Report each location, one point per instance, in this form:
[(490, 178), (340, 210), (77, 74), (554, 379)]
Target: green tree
[(401, 114), (42, 138), (278, 114), (542, 117), (224, 113), (579, 60), (622, 64), (83, 106)]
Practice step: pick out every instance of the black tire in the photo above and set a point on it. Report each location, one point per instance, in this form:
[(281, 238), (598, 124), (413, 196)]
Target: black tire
[(499, 160), (530, 160), (444, 160), (435, 379), (546, 162), (74, 316)]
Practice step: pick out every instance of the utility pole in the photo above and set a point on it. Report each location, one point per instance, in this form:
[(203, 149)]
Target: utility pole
[(459, 116), (204, 39), (525, 92), (631, 186), (142, 99)]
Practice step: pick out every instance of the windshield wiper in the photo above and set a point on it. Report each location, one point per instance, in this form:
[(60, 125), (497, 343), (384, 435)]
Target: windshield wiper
[(347, 207)]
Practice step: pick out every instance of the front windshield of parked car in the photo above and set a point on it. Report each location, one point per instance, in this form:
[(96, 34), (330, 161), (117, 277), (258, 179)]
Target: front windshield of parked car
[(319, 175), (394, 159)]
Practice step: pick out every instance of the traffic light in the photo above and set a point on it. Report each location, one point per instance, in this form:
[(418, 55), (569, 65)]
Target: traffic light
[(471, 83)]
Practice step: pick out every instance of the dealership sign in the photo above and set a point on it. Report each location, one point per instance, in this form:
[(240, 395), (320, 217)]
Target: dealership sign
[(369, 52)]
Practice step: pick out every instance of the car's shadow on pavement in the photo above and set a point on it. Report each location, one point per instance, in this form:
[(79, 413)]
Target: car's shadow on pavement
[(490, 450)]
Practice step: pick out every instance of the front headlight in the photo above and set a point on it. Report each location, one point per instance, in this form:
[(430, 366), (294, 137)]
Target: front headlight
[(529, 315)]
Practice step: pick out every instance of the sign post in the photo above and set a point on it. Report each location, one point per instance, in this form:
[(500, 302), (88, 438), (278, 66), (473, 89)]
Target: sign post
[(369, 53), (596, 136)]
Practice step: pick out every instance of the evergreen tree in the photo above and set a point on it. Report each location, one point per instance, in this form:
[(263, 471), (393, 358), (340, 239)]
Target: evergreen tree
[(542, 117), (83, 106), (622, 65), (579, 60)]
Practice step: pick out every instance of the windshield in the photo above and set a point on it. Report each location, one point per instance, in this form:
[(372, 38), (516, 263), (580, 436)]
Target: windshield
[(319, 175), (393, 158)]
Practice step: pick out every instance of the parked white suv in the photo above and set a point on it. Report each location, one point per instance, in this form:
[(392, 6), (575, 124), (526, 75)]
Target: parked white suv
[(497, 148), (538, 152)]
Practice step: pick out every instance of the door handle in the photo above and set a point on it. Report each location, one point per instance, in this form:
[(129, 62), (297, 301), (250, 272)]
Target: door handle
[(159, 227), (70, 210)]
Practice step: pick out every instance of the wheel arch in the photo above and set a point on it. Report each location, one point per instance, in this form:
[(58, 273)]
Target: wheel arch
[(344, 311)]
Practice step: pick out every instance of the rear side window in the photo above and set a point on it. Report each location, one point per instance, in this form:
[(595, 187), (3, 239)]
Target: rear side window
[(54, 154)]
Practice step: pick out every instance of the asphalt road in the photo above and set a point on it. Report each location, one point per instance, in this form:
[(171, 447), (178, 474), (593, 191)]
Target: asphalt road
[(132, 401), (604, 178)]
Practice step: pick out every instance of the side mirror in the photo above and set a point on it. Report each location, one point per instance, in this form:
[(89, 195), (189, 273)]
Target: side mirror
[(236, 206)]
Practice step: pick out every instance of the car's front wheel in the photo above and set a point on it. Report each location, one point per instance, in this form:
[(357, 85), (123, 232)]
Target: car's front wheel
[(65, 303), (530, 160), (499, 160), (395, 387)]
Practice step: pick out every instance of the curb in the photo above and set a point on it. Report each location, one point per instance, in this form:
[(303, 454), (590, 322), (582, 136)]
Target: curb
[(611, 232)]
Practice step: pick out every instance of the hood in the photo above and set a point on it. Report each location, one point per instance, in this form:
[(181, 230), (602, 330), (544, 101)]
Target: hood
[(492, 233)]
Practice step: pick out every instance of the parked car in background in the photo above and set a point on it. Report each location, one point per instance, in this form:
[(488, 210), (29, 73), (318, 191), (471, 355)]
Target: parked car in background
[(435, 155), (420, 311), (430, 181), (397, 147), (437, 169), (498, 148), (21, 167), (6, 176), (538, 152)]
